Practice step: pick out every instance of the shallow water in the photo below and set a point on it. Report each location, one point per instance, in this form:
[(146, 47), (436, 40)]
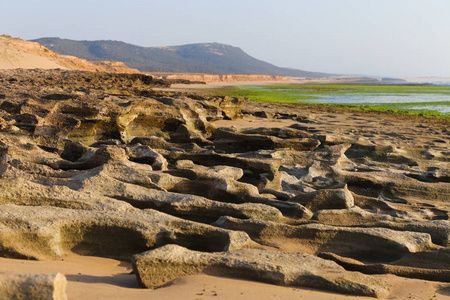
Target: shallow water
[(439, 108), (383, 98), (428, 101)]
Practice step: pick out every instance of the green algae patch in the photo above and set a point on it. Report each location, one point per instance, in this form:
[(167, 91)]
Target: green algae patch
[(406, 99)]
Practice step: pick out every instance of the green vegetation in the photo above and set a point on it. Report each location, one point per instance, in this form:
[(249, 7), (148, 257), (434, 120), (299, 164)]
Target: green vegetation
[(262, 95), (313, 94), (6, 36)]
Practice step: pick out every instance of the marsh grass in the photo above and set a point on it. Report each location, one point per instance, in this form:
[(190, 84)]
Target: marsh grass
[(290, 93)]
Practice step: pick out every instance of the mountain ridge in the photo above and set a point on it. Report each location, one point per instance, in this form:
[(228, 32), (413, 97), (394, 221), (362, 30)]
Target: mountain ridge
[(211, 58)]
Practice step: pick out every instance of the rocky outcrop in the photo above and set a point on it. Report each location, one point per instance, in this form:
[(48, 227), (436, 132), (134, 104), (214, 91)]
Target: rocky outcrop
[(49, 232), (227, 140), (231, 106), (102, 164), (99, 106), (157, 267), (367, 243), (428, 273), (33, 286), (337, 198)]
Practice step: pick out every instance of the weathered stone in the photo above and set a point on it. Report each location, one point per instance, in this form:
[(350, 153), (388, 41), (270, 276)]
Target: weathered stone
[(184, 134), (239, 142), (375, 244), (395, 184), (217, 186), (101, 114), (157, 267), (264, 172), (439, 230), (347, 217), (326, 199), (435, 259), (433, 274), (144, 154), (46, 232), (33, 286), (87, 166), (231, 106)]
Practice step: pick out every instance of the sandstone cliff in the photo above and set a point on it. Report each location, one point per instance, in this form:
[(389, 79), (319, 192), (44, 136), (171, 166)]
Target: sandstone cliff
[(219, 78), (18, 53)]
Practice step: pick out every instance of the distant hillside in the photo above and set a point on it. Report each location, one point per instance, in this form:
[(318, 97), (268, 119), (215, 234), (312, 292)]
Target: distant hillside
[(212, 58), (18, 53)]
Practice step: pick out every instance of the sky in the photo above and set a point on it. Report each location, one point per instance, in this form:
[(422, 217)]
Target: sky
[(392, 38)]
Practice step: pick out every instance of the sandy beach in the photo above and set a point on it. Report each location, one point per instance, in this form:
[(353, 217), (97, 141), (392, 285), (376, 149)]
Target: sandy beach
[(292, 80), (103, 278)]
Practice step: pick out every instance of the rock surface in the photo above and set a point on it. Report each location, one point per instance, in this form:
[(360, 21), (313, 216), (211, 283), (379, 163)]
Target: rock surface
[(442, 273), (113, 165), (31, 286), (157, 267)]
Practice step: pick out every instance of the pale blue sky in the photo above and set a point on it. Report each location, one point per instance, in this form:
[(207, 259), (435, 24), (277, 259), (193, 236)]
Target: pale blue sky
[(374, 37)]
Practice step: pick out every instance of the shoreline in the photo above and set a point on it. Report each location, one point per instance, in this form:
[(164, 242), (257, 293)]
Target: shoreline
[(230, 84), (228, 88)]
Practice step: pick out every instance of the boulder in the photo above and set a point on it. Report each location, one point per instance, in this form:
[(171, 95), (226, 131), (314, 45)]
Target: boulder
[(144, 154), (337, 198), (231, 106), (33, 286), (158, 267)]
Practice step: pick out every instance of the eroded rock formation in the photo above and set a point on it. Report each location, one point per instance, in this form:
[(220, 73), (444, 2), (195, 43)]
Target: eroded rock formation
[(154, 268), (102, 164), (30, 286)]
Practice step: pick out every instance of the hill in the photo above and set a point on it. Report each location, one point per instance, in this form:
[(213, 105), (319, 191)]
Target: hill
[(212, 58), (18, 53)]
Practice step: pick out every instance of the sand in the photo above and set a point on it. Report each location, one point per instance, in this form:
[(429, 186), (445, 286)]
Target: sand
[(293, 80), (17, 53), (102, 278)]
